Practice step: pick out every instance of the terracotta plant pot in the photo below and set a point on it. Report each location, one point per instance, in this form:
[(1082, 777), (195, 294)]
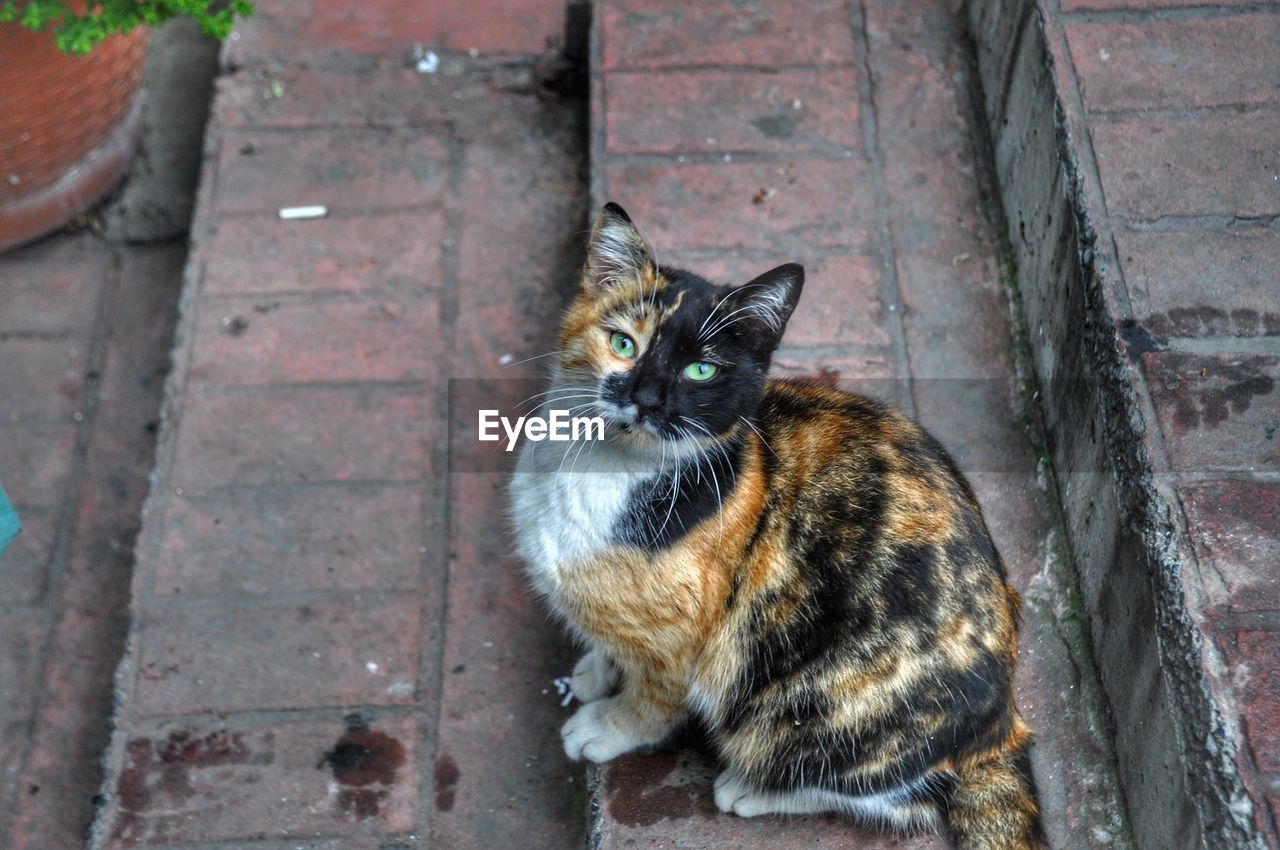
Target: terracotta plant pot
[(67, 127)]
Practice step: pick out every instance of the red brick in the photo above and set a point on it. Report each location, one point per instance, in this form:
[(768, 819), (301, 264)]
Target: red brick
[(346, 170), (814, 203), (976, 419), (1177, 64), (398, 253), (307, 30), (726, 33), (52, 286), (1235, 528), (22, 633), (839, 306), (507, 303), (249, 343), (1251, 656), (664, 800), (42, 377), (502, 778), (715, 111), (72, 723), (867, 373), (356, 97), (1214, 283), (264, 540), (1080, 5), (25, 565), (1219, 412), (205, 780), (35, 463), (1190, 165), (383, 841), (292, 436), (200, 658), (73, 700), (954, 311)]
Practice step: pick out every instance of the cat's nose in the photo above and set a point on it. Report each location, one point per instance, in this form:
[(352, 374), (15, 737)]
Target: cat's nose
[(647, 399)]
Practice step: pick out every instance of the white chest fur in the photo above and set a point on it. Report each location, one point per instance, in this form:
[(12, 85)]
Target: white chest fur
[(562, 513)]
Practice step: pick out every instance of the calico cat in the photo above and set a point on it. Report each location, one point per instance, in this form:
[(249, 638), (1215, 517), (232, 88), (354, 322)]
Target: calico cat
[(804, 569)]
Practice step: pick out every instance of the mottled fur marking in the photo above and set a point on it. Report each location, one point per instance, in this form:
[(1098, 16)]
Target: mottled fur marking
[(804, 569)]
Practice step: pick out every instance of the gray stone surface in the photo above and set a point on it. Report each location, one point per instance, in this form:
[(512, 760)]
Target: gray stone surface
[(155, 201)]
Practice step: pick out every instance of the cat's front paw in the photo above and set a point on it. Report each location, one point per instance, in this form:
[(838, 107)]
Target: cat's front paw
[(593, 734), (730, 787), (594, 677)]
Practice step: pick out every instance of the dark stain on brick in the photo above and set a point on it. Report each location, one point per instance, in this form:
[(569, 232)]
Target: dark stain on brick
[(157, 776), (780, 125), (365, 761), (639, 795), (234, 326), (1208, 392), (1205, 320), (1137, 339), (447, 776)]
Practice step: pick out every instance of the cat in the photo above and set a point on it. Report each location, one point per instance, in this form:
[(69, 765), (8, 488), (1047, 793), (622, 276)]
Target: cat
[(805, 570)]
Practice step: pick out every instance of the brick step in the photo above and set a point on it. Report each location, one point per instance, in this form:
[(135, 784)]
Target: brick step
[(843, 136), (332, 645)]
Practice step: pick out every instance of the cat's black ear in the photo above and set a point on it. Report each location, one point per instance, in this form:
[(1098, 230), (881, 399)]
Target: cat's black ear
[(762, 307), (616, 252)]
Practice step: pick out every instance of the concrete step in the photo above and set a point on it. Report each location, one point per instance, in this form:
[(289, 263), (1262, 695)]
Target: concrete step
[(1135, 156)]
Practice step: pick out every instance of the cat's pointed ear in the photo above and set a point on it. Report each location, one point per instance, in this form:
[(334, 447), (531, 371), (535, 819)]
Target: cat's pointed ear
[(616, 252), (762, 307)]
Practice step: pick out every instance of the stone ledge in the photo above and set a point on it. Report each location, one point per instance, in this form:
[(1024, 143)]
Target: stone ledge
[(1177, 757)]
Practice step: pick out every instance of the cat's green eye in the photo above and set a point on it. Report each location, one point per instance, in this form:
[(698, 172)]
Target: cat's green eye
[(700, 371), (622, 345)]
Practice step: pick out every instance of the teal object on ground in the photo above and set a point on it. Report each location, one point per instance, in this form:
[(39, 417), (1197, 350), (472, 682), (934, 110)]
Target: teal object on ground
[(9, 524)]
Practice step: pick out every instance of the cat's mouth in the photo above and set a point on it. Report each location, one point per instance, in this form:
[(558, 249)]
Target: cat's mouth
[(644, 431)]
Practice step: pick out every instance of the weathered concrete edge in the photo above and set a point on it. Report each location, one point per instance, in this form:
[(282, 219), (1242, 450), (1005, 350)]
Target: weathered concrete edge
[(1176, 758), (147, 544)]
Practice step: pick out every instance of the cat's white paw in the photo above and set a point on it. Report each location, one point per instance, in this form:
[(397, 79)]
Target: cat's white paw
[(734, 795), (729, 789), (594, 677), (591, 734)]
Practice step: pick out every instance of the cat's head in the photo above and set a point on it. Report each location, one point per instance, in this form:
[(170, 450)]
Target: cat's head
[(661, 353)]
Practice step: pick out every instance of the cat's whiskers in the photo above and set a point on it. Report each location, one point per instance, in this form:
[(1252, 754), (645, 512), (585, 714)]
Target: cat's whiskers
[(752, 426), (675, 494), (589, 391), (529, 359), (711, 469), (722, 321), (720, 304), (747, 307), (569, 448)]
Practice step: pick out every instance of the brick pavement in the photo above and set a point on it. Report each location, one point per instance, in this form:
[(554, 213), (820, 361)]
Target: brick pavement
[(85, 330), (1185, 179), (331, 645), (743, 135), (1172, 183)]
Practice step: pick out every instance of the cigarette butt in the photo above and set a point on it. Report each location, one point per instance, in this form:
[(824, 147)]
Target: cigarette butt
[(291, 213)]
